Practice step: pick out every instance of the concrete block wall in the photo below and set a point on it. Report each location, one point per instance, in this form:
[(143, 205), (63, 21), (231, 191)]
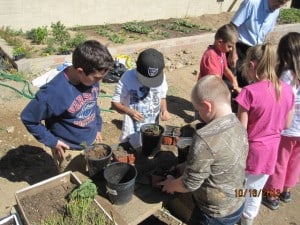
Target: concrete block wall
[(28, 14)]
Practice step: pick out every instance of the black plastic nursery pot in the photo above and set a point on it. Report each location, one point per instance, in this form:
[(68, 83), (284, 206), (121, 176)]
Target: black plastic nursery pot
[(151, 135), (183, 146), (120, 181), (97, 157)]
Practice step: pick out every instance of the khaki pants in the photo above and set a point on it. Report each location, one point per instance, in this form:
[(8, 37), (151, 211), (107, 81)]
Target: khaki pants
[(73, 161)]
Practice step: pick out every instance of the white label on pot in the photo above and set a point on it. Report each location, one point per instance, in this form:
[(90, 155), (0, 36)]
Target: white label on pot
[(111, 191)]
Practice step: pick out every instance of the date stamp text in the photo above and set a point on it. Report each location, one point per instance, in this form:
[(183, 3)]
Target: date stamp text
[(240, 192)]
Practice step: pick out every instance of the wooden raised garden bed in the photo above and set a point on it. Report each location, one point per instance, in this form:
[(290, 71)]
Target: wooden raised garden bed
[(10, 220), (48, 201)]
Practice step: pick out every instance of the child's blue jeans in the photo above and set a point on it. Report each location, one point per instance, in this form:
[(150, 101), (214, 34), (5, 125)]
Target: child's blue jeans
[(199, 217)]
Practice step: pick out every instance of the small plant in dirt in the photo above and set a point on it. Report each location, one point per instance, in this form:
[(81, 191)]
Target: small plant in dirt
[(289, 16), (205, 28), (77, 40), (50, 48), (13, 38), (80, 208), (185, 23), (176, 27), (19, 52), (106, 31), (137, 27), (116, 38), (159, 34), (57, 40), (153, 129)]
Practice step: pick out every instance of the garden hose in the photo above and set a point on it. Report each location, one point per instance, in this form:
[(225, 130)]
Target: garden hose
[(27, 92)]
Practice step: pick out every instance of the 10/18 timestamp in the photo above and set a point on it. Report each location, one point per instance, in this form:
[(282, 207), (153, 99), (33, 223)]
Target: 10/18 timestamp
[(240, 192)]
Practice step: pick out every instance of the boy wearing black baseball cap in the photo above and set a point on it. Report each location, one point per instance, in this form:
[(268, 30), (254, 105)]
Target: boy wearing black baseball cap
[(141, 95)]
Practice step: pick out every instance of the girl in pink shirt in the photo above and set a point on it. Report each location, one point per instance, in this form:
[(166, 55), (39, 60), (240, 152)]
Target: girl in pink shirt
[(287, 168), (265, 109)]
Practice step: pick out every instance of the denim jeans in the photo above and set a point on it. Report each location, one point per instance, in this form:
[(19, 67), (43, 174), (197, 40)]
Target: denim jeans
[(199, 217)]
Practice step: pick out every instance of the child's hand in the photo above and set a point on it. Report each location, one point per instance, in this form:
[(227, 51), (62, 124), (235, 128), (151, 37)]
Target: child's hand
[(165, 115), (136, 115), (61, 148), (99, 137), (237, 89), (167, 185)]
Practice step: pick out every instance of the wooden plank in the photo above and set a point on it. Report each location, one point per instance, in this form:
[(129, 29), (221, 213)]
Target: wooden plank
[(137, 210)]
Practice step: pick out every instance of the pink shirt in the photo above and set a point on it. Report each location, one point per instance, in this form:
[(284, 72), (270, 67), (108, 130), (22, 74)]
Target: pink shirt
[(266, 120), (213, 62)]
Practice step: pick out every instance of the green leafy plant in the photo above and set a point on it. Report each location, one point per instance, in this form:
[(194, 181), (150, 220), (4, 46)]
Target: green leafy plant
[(205, 28), (137, 27), (177, 27), (64, 49), (289, 16), (78, 39), (185, 23), (104, 31), (79, 209), (49, 50), (157, 35), (38, 35), (116, 38), (60, 33), (153, 129), (87, 190), (19, 52)]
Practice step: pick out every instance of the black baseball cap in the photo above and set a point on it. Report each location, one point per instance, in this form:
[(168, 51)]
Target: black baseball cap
[(149, 66)]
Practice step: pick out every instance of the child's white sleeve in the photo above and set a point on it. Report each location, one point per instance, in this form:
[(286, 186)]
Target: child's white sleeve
[(118, 92), (164, 88)]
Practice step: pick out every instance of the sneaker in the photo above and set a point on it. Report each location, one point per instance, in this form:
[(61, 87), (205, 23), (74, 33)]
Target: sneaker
[(271, 203), (285, 196)]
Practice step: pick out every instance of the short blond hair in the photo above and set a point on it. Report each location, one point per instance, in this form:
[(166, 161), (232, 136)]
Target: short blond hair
[(210, 88)]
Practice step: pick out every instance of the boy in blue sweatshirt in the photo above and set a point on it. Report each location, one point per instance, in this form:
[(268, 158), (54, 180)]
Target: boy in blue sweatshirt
[(64, 115)]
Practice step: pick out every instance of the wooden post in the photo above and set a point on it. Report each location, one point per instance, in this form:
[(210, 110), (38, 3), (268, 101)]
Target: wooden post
[(231, 6)]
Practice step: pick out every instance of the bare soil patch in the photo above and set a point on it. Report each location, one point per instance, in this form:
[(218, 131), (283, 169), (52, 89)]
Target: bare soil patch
[(137, 31), (48, 203), (125, 33)]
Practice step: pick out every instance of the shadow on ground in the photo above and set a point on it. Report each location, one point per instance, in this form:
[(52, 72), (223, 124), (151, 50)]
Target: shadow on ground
[(117, 123), (178, 106), (27, 163)]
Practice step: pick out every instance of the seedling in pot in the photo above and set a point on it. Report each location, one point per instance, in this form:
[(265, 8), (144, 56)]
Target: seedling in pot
[(153, 130)]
